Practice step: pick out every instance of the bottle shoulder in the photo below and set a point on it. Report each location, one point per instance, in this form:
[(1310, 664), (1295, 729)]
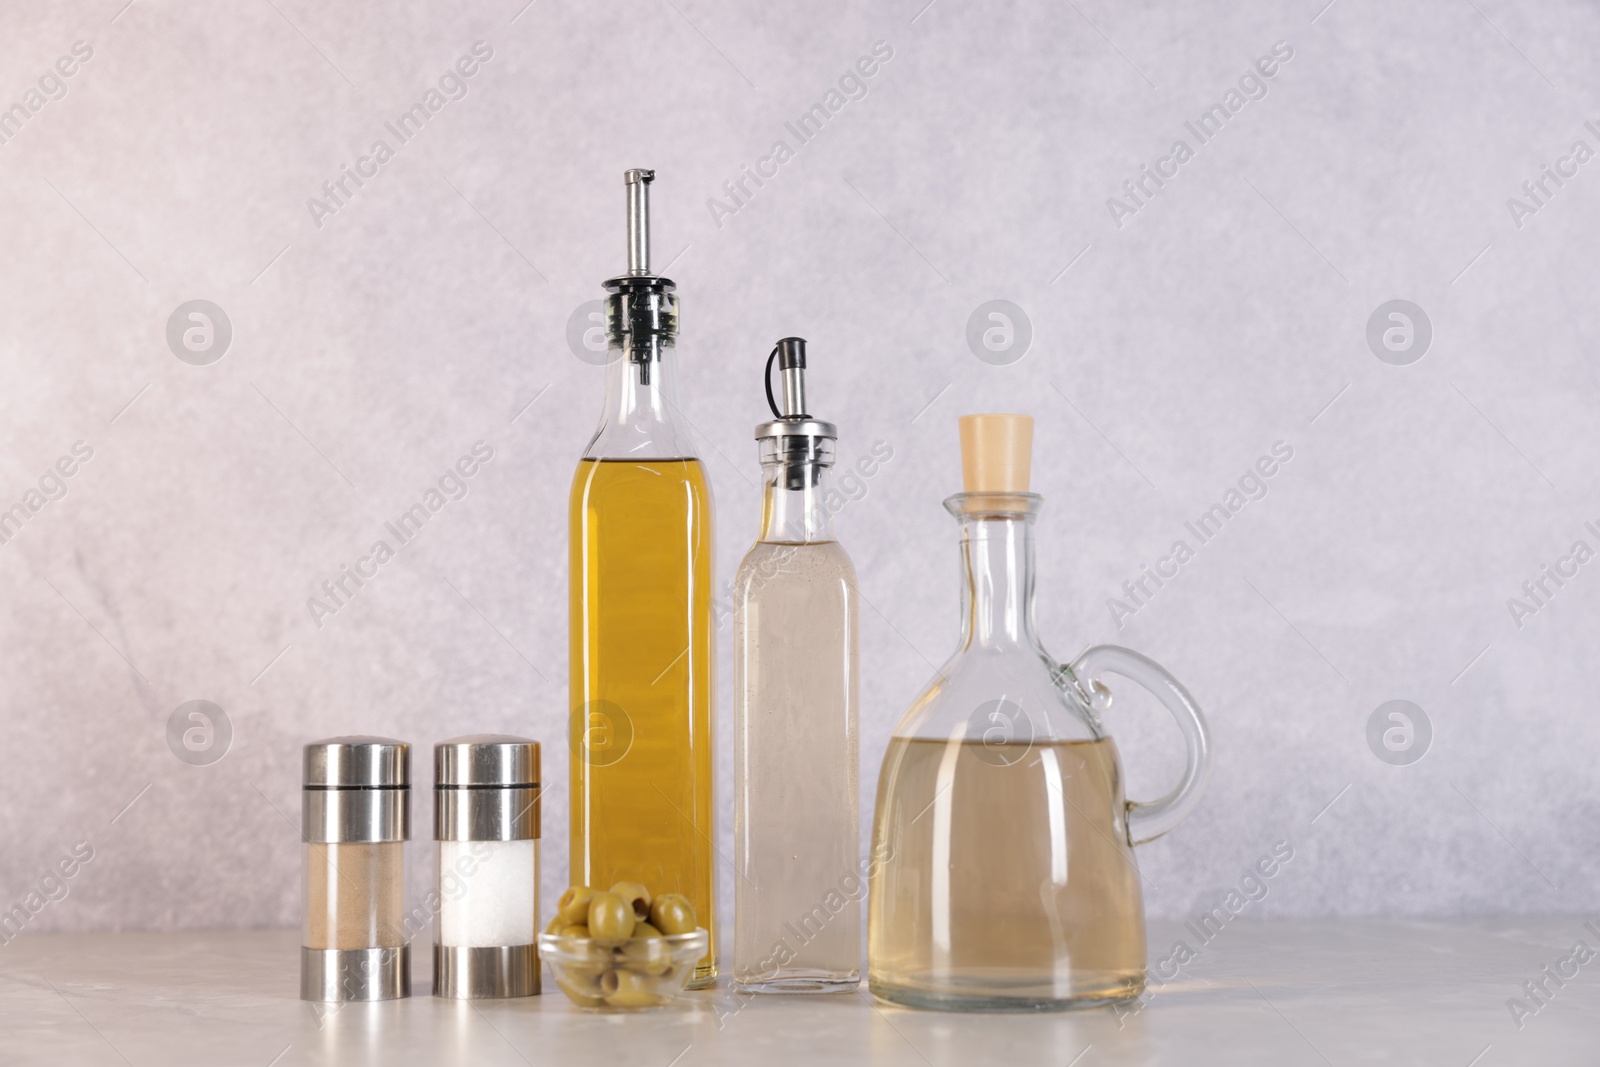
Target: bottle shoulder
[(984, 694), (788, 564), (622, 444), (607, 474), (640, 417)]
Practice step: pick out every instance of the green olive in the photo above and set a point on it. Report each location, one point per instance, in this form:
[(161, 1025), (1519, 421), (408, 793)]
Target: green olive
[(671, 913), (625, 989), (573, 906), (653, 970), (636, 895), (647, 953), (610, 916), (577, 930), (584, 975), (556, 925), (582, 989)]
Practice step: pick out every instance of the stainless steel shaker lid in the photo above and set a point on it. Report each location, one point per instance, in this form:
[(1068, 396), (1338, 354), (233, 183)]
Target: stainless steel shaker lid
[(485, 760), (357, 762)]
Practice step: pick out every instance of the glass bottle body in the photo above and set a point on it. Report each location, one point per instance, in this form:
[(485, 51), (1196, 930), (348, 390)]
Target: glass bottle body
[(640, 648), (1003, 875), (799, 885)]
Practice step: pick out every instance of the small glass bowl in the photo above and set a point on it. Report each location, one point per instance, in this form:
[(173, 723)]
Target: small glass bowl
[(623, 974)]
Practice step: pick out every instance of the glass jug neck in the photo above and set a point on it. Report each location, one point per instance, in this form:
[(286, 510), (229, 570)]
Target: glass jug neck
[(997, 559), (641, 418), (795, 508)]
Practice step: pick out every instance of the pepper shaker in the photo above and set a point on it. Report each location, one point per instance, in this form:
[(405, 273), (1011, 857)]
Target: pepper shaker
[(355, 816)]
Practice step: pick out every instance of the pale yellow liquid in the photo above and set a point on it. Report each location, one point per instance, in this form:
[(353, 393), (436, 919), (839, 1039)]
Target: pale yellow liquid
[(1004, 878), (641, 681), (797, 829)]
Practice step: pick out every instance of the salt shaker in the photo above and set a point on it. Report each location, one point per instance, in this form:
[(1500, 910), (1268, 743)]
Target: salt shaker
[(486, 820)]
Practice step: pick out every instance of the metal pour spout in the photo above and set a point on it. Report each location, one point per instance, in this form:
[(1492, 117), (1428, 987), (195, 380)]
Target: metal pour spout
[(792, 365), (639, 220), (641, 312), (803, 444)]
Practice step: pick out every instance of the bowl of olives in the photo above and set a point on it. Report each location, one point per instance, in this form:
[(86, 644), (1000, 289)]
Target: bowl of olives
[(622, 949)]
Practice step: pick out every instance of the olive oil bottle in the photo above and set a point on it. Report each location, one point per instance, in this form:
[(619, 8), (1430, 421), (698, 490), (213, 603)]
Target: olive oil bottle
[(640, 601)]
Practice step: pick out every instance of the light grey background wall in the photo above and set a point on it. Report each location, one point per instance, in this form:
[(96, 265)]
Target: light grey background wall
[(1174, 341)]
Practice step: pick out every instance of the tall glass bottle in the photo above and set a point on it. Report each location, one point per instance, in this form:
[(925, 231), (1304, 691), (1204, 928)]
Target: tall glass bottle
[(797, 897), (641, 612)]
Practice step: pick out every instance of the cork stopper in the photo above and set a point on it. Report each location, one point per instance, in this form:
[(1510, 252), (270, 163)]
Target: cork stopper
[(996, 453)]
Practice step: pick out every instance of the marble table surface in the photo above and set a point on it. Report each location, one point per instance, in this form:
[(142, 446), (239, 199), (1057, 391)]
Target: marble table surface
[(1328, 992)]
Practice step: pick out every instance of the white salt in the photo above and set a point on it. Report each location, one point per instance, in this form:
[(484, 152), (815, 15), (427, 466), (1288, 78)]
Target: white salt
[(488, 893)]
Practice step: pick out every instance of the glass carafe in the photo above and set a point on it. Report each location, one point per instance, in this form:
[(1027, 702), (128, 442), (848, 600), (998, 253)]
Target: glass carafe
[(1002, 867)]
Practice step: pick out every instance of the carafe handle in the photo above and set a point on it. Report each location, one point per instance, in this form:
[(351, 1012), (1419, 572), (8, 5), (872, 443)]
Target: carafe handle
[(1149, 820)]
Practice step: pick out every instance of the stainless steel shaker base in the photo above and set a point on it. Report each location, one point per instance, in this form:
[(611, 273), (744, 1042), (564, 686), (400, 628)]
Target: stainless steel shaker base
[(336, 974), (463, 973)]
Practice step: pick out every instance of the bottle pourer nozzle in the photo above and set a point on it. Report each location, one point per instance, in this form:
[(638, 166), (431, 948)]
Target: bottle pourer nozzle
[(639, 220), (641, 312), (790, 354), (802, 444)]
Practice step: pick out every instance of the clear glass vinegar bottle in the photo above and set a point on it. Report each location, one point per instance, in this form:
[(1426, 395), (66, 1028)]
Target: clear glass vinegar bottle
[(640, 599), (1003, 875), (799, 885)]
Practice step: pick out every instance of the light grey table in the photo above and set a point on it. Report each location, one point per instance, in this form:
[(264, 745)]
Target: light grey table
[(1278, 993)]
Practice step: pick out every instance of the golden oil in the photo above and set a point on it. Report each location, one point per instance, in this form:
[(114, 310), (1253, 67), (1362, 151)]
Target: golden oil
[(641, 681)]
